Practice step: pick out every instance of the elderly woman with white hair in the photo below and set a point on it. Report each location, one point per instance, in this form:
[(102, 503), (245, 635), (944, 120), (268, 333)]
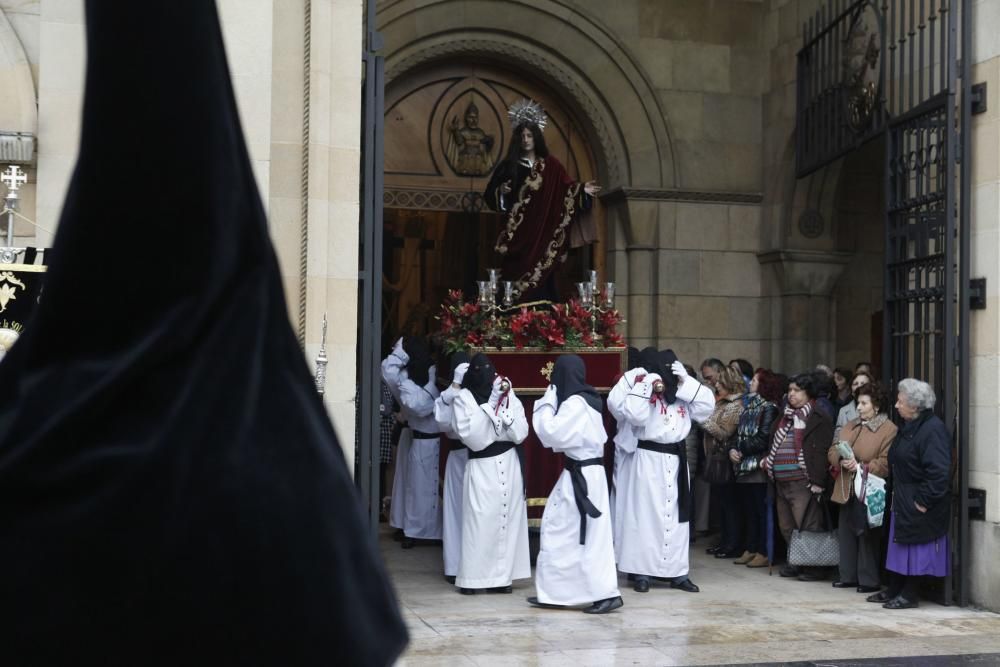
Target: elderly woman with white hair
[(920, 468)]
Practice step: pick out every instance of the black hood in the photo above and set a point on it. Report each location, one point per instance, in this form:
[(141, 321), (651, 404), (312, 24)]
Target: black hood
[(570, 379), (171, 489), (479, 378), (418, 367)]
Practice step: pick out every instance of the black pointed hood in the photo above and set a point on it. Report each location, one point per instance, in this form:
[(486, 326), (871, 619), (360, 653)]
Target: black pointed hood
[(171, 489), (479, 378), (570, 379)]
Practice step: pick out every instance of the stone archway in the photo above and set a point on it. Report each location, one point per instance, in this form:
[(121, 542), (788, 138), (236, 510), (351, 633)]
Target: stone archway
[(620, 113)]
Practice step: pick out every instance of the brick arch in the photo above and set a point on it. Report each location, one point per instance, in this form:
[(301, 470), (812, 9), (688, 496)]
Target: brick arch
[(560, 45)]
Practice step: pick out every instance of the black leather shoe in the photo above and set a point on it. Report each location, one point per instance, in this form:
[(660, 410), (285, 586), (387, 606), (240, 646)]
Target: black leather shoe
[(899, 602), (604, 606), (728, 554), (880, 597), (398, 536), (868, 589), (811, 576), (450, 579), (789, 571), (711, 551), (641, 585), (686, 585), (846, 584), (408, 543), (500, 589), (533, 601), (467, 591)]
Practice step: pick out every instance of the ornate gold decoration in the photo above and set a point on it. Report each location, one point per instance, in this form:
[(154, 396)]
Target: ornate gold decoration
[(8, 288), (546, 371)]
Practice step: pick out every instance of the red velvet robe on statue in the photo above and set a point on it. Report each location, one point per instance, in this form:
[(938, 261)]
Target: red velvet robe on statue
[(545, 202)]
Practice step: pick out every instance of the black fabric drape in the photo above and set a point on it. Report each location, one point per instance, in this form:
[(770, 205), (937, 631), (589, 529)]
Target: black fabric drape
[(569, 375), (171, 489)]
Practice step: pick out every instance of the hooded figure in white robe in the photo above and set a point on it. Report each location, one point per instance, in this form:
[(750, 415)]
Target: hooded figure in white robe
[(490, 420), (410, 375), (454, 470), (625, 439), (654, 535), (576, 562)]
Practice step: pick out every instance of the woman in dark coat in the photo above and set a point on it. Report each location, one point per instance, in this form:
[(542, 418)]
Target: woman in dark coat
[(920, 469)]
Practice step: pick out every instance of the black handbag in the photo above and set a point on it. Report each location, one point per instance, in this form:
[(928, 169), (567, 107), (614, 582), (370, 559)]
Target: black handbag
[(719, 469), (748, 464)]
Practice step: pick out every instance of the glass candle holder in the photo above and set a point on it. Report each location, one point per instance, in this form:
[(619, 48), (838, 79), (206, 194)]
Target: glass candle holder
[(508, 293), (609, 295), (485, 292), (494, 279)]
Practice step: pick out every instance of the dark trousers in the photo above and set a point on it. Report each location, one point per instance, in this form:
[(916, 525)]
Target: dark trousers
[(750, 503), (859, 554), (732, 517), (901, 584)]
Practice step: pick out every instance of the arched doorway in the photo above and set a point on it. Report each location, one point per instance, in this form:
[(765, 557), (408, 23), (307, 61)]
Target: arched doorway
[(438, 233)]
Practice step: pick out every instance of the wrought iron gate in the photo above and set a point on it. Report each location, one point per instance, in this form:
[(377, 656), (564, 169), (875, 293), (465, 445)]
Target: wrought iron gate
[(889, 68), (370, 275)]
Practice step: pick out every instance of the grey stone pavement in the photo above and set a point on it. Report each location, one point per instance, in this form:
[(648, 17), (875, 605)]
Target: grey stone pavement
[(741, 616)]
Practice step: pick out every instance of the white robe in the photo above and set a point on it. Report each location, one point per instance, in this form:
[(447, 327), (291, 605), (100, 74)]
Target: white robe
[(454, 482), (625, 444), (653, 540), (392, 368), (567, 572), (420, 482), (494, 513)]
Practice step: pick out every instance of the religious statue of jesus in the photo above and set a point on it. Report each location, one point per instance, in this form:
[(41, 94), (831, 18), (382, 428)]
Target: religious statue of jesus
[(539, 201)]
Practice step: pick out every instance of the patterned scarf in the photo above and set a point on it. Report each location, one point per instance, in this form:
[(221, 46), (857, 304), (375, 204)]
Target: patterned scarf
[(790, 417)]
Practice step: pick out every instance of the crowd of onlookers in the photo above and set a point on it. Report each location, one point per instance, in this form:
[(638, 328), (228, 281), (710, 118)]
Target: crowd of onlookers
[(803, 450), (781, 454)]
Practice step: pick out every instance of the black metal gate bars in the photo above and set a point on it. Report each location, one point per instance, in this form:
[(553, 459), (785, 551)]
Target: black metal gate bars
[(889, 68)]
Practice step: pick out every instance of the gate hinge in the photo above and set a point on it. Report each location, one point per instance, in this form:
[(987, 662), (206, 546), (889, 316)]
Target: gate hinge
[(977, 294), (978, 98), (977, 504)]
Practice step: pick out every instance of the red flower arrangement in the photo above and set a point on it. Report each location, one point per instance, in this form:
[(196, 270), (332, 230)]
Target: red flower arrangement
[(566, 326)]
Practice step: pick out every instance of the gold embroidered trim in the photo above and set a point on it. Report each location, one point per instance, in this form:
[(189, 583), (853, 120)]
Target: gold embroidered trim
[(555, 250), (516, 217)]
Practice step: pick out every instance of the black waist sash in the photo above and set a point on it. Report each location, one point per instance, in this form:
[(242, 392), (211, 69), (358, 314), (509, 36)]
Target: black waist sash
[(455, 446), (420, 435), (583, 504), (502, 447), (679, 450)]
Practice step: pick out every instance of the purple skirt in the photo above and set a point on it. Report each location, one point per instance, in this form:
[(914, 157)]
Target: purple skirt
[(930, 558)]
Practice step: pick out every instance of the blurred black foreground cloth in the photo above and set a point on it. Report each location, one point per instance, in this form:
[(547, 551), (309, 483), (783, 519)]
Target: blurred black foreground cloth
[(171, 490)]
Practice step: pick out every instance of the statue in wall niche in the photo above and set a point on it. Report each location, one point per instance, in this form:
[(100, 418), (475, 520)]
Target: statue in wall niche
[(540, 203), (469, 147)]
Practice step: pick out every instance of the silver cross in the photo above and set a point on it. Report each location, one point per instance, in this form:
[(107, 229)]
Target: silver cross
[(14, 178)]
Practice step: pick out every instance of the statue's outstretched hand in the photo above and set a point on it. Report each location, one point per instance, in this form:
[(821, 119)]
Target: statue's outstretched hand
[(592, 188), (505, 187)]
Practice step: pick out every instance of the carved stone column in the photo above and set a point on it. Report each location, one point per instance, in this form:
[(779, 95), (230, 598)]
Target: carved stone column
[(800, 287), (632, 229)]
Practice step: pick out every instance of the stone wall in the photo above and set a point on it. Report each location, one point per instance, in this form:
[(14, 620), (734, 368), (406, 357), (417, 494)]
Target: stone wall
[(984, 365)]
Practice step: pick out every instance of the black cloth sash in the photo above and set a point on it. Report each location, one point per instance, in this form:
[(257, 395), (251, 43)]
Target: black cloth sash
[(455, 446), (420, 435), (679, 450), (583, 504), (501, 447)]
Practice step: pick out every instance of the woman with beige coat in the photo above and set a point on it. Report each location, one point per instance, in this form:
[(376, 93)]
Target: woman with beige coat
[(869, 437)]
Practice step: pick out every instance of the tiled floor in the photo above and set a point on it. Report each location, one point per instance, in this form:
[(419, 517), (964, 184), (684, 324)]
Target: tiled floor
[(741, 616)]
